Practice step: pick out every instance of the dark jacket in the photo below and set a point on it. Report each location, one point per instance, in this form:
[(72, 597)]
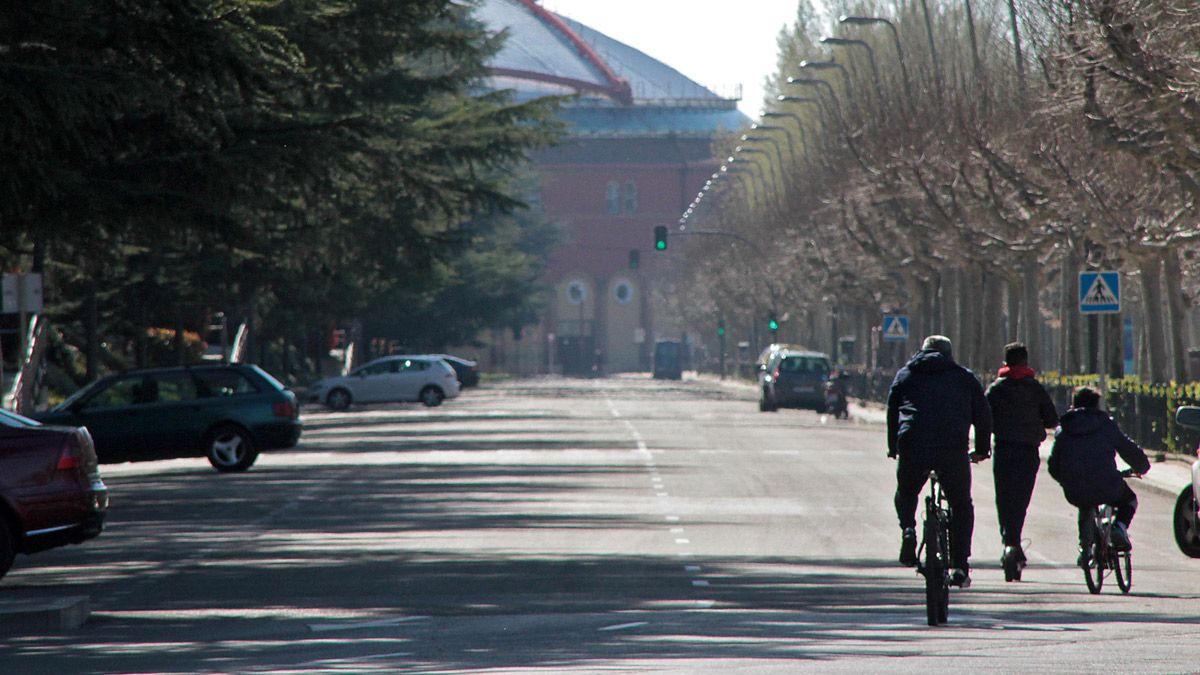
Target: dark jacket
[(1083, 459), (933, 403), (1021, 408)]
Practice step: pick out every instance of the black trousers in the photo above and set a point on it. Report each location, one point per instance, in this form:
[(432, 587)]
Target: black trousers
[(954, 472), (1014, 470), (1125, 506)]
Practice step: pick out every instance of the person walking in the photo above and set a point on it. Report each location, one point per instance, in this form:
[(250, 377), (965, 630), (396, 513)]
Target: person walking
[(1021, 413), (932, 405)]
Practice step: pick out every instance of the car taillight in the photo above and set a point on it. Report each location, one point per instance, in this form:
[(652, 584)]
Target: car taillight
[(71, 455), (775, 375), (284, 409)]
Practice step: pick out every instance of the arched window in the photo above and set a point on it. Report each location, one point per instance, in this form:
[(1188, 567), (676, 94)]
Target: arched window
[(613, 196), (630, 196)]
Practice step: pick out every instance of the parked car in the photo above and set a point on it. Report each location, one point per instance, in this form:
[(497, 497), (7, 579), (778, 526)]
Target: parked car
[(428, 379), (51, 493), (1187, 507), (794, 379), (466, 369), (228, 413), (668, 360)]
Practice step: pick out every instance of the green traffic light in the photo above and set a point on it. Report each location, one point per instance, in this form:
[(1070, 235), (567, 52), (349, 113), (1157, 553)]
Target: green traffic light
[(720, 330), (660, 245)]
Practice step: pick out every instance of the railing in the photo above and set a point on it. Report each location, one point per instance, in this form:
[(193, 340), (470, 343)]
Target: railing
[(26, 387)]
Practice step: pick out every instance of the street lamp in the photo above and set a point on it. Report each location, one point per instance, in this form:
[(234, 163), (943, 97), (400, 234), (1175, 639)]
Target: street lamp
[(808, 99), (767, 139), (851, 42), (785, 130), (874, 20), (776, 184)]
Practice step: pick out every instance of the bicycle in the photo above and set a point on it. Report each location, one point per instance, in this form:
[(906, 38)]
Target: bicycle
[(935, 543), (1102, 556)]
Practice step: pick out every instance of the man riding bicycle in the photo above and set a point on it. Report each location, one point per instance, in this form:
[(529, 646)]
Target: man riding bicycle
[(932, 405), (1083, 461)]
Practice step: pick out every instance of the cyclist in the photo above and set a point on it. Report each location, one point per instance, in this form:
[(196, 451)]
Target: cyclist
[(1083, 461), (932, 405), (1021, 413)]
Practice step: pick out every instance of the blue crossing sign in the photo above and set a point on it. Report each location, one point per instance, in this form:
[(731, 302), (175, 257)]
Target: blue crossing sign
[(1099, 292), (895, 327)]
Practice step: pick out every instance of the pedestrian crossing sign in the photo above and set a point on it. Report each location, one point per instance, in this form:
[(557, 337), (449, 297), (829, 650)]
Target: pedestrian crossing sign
[(1099, 292), (895, 327)]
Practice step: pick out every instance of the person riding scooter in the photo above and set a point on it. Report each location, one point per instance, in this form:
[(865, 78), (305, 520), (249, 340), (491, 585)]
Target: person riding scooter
[(835, 397)]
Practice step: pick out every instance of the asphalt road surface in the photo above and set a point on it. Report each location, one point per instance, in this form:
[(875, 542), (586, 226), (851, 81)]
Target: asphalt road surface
[(580, 526)]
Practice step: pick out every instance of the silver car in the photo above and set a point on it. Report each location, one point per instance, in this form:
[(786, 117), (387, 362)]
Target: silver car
[(427, 379)]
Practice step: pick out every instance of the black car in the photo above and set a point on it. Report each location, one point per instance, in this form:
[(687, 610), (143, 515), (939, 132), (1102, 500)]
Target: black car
[(668, 360), (227, 413), (794, 379), (466, 369)]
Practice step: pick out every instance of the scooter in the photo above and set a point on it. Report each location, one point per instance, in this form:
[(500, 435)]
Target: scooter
[(1186, 519), (835, 400)]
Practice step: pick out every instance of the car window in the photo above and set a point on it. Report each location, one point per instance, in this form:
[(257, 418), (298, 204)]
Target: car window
[(413, 365), (222, 382), (804, 364), (381, 368), (175, 386), (120, 392)]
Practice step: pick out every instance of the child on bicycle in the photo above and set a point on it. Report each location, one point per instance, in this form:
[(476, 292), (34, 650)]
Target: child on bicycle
[(1083, 461)]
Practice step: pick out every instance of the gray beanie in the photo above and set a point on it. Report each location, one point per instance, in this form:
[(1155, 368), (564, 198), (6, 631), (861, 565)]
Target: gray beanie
[(938, 343)]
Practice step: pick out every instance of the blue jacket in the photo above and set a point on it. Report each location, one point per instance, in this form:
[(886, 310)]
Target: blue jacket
[(1084, 457), (932, 405)]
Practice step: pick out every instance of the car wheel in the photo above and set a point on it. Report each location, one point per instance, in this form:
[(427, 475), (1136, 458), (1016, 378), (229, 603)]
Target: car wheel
[(8, 546), (230, 449), (338, 399), (1187, 529), (432, 396)]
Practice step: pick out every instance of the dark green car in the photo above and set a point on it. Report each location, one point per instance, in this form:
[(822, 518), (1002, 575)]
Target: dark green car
[(227, 413)]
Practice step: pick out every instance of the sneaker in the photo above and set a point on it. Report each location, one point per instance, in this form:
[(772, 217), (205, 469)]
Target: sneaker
[(960, 577), (1120, 537), (908, 547)]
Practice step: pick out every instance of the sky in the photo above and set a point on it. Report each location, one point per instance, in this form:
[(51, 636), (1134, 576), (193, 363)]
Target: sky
[(718, 43)]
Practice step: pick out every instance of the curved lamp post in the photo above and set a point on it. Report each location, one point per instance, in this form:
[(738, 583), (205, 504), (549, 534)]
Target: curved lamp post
[(851, 42), (874, 20), (788, 132)]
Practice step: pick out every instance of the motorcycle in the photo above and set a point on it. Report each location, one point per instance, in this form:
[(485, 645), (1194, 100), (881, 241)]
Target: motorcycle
[(835, 400), (1186, 519)]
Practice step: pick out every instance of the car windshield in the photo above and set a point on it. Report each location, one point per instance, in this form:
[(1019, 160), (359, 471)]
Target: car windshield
[(11, 419), (804, 364), (74, 398)]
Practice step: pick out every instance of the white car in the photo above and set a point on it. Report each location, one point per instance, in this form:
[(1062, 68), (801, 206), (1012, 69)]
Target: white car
[(1187, 507), (427, 379)]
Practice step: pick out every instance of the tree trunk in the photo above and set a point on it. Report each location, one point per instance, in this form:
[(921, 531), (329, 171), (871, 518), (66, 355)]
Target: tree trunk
[(1151, 267), (91, 331), (1115, 345), (1071, 347), (1173, 286), (1031, 316)]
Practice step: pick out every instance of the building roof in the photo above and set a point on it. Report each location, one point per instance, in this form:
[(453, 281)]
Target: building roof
[(620, 90)]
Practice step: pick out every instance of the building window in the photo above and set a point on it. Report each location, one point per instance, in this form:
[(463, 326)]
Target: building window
[(630, 196), (613, 197)]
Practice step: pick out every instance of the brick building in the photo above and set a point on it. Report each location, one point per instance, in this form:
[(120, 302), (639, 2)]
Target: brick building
[(638, 151)]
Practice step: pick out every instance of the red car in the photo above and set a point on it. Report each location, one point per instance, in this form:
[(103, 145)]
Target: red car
[(51, 493)]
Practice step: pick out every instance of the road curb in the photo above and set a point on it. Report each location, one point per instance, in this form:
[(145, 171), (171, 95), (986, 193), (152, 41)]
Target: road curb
[(44, 616)]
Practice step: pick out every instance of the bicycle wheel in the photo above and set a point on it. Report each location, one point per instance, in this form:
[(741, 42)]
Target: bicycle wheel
[(1122, 564), (935, 573), (1093, 572)]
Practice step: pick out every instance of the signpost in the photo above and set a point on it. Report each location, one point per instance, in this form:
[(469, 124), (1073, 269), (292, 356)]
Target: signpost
[(1100, 293), (895, 327)]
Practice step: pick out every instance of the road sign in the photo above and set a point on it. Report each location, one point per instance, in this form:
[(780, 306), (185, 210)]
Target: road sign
[(895, 327), (1099, 292), (21, 293)]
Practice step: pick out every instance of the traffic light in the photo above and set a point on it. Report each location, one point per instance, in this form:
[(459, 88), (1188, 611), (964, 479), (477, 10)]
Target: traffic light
[(772, 323), (635, 258), (721, 328), (660, 237)]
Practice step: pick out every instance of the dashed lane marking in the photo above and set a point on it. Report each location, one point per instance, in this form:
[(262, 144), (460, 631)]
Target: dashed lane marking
[(625, 626)]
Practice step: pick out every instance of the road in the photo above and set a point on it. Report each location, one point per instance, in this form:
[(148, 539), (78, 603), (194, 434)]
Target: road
[(581, 526)]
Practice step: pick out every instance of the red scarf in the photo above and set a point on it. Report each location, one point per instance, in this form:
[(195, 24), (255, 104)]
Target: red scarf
[(1015, 372)]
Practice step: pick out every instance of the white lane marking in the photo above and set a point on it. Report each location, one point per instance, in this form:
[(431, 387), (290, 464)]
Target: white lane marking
[(691, 568), (326, 627), (672, 519), (624, 626), (699, 582), (662, 494), (704, 604), (683, 541), (676, 530)]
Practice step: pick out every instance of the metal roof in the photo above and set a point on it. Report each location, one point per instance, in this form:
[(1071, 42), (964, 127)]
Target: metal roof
[(620, 90)]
